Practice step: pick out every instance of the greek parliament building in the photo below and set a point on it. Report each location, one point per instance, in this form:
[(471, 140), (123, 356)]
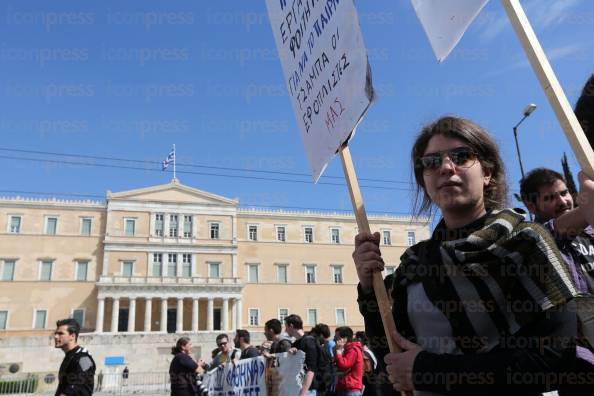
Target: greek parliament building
[(148, 264)]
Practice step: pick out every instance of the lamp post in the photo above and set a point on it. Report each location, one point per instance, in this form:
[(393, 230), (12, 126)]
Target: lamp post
[(527, 111)]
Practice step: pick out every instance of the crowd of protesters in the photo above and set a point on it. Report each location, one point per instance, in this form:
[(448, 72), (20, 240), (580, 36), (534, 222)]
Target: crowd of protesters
[(489, 304), (338, 364)]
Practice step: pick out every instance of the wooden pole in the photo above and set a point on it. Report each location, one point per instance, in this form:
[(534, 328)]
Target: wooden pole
[(572, 128), (361, 216)]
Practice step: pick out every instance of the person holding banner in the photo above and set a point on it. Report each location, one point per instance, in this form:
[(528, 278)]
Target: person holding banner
[(484, 304), (309, 345), (226, 353)]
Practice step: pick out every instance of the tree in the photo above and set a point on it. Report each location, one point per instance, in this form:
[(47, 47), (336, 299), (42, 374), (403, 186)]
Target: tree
[(569, 179)]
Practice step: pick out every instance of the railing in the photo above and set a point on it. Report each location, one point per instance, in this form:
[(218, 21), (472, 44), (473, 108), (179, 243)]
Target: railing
[(166, 280), (144, 383), (18, 384), (153, 383)]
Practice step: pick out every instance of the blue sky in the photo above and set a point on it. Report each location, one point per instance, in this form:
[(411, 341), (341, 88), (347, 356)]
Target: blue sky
[(128, 79)]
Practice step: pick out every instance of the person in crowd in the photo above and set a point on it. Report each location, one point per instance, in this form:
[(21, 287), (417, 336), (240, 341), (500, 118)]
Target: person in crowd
[(77, 371), (349, 361), (183, 369), (545, 194), (125, 375), (242, 341), (307, 344), (214, 353), (373, 380), (226, 353), (275, 342), (483, 306), (321, 332)]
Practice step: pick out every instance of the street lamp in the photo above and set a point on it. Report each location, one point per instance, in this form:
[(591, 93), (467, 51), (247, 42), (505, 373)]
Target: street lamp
[(527, 111)]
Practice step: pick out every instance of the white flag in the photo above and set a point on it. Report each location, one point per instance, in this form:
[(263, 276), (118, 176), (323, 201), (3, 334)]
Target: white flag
[(445, 21)]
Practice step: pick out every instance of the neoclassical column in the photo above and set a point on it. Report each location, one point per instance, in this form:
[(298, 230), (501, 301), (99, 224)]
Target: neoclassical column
[(234, 315), (163, 314), (238, 313), (148, 311), (179, 326), (195, 306), (210, 314), (132, 315), (115, 314), (100, 314), (225, 314)]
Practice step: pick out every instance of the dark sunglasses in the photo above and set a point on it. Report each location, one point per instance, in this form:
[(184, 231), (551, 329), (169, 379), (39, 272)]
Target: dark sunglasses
[(462, 157), (221, 343)]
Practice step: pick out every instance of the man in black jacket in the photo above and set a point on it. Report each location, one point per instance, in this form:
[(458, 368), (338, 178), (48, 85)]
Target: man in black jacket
[(307, 344), (77, 370), (275, 341), (242, 341)]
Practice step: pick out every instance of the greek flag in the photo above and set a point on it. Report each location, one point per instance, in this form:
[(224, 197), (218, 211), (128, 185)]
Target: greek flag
[(170, 158)]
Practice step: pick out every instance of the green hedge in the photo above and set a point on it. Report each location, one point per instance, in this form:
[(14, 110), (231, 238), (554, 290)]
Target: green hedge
[(27, 385)]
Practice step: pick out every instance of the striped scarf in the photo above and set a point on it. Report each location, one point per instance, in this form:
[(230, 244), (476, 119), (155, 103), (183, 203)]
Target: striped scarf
[(489, 279)]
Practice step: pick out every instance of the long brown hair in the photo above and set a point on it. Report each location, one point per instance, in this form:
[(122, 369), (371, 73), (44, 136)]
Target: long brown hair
[(495, 194)]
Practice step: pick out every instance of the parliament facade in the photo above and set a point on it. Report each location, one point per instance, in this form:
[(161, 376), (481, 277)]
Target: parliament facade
[(173, 259)]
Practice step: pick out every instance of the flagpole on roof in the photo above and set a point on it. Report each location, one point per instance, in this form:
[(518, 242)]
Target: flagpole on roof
[(174, 176)]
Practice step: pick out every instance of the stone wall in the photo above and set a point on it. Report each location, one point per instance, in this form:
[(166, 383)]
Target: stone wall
[(142, 352)]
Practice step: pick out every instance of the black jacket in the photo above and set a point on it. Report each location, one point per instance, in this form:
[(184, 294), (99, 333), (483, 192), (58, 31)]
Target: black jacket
[(182, 373), (77, 372)]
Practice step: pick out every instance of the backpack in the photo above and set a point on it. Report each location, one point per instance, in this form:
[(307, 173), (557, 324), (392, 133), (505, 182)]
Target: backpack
[(325, 374), (368, 364), (280, 346)]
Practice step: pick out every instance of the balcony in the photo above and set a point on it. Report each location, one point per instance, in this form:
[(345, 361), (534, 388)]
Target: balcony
[(166, 280), (168, 287)]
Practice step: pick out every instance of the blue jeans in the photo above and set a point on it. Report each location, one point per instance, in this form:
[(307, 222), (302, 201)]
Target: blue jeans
[(350, 393)]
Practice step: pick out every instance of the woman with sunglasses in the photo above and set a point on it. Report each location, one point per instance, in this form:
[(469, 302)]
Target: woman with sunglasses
[(482, 306)]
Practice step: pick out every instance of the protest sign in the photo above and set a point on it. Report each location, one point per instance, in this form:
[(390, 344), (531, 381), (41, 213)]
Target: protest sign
[(280, 375), (244, 377), (325, 67), (285, 374), (328, 77), (446, 21)]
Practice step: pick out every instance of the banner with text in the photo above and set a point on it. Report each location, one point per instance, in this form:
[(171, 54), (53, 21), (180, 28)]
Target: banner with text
[(281, 375), (327, 74)]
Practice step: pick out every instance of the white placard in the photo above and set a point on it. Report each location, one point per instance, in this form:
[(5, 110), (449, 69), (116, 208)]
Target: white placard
[(281, 375), (445, 21), (244, 377), (328, 78)]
